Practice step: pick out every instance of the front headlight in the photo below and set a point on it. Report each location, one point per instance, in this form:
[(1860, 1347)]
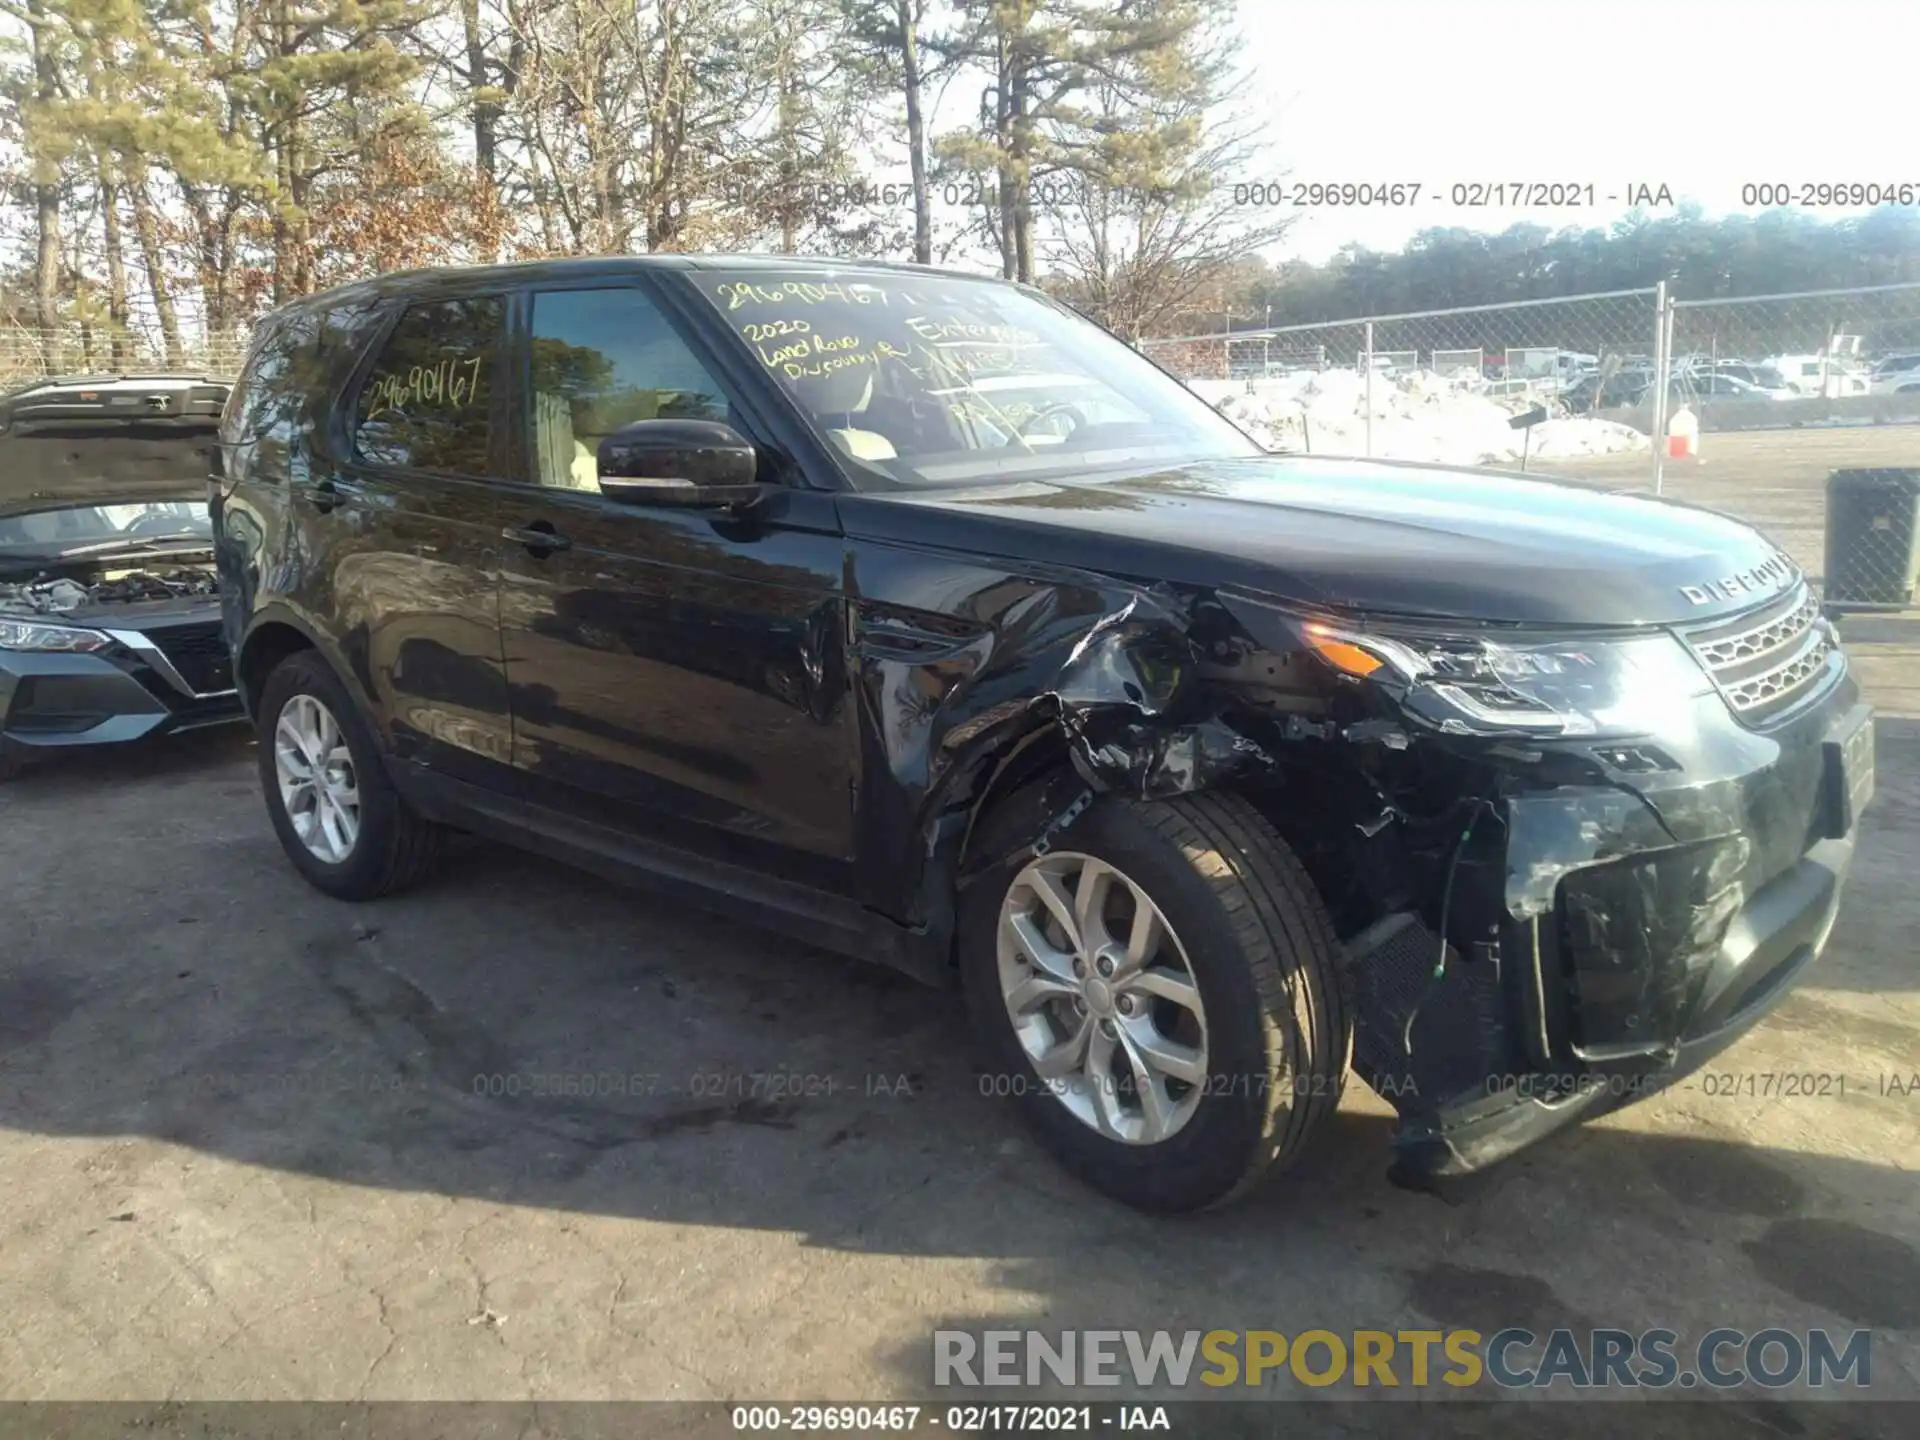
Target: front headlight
[(33, 635), (1481, 685)]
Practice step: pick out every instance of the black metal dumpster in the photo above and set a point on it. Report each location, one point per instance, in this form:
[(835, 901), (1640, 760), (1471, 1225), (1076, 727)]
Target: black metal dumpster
[(1873, 527)]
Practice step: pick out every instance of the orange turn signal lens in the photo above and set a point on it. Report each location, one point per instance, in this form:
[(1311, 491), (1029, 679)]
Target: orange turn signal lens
[(1345, 657)]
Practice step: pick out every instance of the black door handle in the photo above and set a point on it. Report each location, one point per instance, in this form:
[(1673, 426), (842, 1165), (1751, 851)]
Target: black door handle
[(540, 538)]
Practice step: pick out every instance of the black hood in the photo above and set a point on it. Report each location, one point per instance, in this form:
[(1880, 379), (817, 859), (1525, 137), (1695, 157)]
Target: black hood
[(1365, 537)]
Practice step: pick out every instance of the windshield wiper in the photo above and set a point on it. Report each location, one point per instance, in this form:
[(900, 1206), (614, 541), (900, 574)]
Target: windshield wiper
[(130, 544)]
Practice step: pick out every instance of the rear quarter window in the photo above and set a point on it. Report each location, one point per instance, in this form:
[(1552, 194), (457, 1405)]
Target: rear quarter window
[(241, 419)]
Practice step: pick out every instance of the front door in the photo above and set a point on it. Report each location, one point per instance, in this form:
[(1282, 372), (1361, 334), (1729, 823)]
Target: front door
[(674, 673)]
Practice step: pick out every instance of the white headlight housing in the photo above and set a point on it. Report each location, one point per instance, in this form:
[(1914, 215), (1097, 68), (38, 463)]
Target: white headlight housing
[(1468, 684), (18, 634)]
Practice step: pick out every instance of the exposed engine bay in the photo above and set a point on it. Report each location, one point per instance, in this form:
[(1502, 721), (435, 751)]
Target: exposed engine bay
[(60, 595)]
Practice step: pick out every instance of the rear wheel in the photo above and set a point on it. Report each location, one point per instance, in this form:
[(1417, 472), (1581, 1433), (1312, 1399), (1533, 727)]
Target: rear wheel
[(341, 822), (1159, 994)]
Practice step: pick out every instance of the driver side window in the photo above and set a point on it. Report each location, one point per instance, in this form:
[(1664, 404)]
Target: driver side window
[(603, 359)]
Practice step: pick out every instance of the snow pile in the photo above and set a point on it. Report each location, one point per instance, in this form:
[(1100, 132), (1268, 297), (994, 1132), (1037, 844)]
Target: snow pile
[(1417, 415)]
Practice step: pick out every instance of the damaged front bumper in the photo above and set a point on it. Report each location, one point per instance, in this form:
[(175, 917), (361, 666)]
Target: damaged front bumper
[(1618, 902), (1619, 938)]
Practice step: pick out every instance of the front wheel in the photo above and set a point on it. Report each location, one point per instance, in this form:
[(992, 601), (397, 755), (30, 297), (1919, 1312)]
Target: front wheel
[(1159, 993), (341, 822)]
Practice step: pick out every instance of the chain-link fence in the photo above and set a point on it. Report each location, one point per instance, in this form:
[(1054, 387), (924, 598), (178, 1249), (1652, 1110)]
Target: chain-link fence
[(1833, 354), (27, 356), (1752, 406), (1433, 385)]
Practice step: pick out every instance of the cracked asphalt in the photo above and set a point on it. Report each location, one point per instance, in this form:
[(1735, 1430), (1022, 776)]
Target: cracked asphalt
[(259, 1144)]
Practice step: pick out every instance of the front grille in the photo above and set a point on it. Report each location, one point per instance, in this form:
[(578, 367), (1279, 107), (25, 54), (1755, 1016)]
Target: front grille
[(199, 652), (1767, 659)]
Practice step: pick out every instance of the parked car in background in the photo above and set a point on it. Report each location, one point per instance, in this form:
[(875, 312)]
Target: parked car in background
[(1753, 373), (1618, 391), (1716, 385), (1816, 375), (109, 613), (1896, 375)]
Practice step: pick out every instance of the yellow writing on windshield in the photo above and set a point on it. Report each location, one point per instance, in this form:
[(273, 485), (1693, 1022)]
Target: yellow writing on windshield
[(828, 362), (951, 331), (737, 293), (807, 345)]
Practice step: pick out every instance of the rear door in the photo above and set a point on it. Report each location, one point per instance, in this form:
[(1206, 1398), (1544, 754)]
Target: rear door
[(676, 674), (413, 511)]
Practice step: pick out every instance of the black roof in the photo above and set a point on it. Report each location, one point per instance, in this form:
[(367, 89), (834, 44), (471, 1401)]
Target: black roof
[(573, 268)]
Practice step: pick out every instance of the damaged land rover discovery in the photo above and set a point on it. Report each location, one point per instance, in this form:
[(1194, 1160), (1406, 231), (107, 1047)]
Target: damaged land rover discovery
[(917, 617)]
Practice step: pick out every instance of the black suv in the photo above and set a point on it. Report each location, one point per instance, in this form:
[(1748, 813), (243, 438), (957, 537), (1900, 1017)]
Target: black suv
[(109, 621), (914, 615)]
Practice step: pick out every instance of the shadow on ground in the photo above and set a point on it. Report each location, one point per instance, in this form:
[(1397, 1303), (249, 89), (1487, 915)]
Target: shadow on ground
[(166, 975)]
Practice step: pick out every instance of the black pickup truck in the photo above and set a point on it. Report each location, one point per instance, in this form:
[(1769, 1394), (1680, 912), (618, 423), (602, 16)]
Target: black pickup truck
[(917, 617)]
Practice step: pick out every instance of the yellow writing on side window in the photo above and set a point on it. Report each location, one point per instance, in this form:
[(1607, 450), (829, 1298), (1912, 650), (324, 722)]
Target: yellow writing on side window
[(452, 383)]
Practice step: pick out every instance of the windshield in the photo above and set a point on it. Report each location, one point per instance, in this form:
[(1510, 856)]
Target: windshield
[(931, 380), (79, 528)]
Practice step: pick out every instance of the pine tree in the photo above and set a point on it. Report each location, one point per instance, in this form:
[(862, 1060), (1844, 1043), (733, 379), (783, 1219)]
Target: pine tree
[(889, 38), (1047, 63)]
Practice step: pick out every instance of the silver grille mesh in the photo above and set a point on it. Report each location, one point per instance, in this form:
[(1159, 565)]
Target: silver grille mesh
[(1780, 684), (1763, 639), (1763, 661)]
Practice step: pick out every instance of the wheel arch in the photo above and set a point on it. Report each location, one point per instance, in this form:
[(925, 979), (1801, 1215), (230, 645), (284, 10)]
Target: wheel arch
[(278, 633)]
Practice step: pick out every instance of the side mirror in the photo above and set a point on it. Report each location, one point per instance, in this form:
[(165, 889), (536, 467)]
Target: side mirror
[(677, 462)]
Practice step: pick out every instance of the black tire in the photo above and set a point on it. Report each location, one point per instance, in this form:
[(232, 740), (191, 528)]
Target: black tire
[(395, 847), (1264, 956)]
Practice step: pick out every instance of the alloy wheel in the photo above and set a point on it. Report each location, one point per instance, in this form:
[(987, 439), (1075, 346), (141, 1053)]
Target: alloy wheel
[(318, 786), (1102, 997)]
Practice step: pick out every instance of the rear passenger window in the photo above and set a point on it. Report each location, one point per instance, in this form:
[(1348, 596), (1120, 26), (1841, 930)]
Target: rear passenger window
[(427, 403)]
